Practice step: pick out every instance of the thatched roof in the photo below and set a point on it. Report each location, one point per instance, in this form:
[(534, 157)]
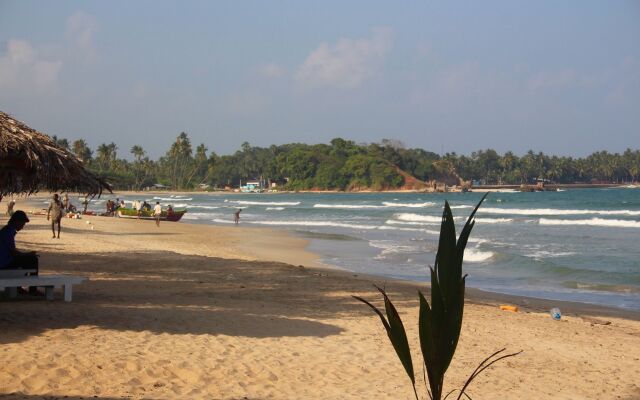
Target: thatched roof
[(31, 161)]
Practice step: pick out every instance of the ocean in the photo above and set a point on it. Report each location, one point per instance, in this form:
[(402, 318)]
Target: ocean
[(577, 245)]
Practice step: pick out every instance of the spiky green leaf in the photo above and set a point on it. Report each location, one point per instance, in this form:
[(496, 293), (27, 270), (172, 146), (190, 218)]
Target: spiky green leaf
[(398, 336), (377, 311), (427, 343), (466, 230), (446, 255), (395, 332)]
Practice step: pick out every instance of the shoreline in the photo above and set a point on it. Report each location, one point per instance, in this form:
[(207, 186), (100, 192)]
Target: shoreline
[(199, 311), (297, 254), (478, 189)]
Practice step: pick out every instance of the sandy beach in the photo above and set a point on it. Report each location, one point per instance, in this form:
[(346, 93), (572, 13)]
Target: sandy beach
[(185, 311)]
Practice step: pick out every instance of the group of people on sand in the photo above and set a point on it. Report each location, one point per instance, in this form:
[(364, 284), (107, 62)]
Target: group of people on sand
[(113, 206), (139, 206)]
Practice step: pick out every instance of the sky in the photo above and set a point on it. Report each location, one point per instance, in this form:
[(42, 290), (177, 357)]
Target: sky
[(562, 77)]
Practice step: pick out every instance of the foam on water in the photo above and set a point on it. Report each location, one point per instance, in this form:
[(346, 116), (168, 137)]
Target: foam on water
[(549, 254), (194, 206), (267, 203), (422, 218), (475, 256), (197, 216), (221, 221), (348, 206), (389, 244), (552, 211), (173, 198), (410, 205), (274, 208), (494, 220), (395, 222), (312, 223), (391, 247), (396, 228), (617, 223)]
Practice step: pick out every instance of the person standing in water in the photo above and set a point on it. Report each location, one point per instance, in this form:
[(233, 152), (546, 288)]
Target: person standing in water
[(55, 213), (236, 216)]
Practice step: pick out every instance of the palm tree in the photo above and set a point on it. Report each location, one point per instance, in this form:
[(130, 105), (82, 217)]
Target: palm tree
[(139, 166), (507, 162), (81, 150)]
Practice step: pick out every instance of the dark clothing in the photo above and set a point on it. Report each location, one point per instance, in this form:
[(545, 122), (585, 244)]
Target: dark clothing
[(24, 261), (7, 245)]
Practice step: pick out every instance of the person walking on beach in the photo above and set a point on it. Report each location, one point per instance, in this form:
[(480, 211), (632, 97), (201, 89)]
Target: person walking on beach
[(55, 213), (10, 205), (236, 216), (85, 204), (138, 207), (157, 212)]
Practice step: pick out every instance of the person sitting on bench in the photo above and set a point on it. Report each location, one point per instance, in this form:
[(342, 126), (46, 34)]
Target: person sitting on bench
[(10, 257)]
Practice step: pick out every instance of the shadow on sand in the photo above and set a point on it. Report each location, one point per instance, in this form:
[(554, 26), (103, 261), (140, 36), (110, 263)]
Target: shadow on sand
[(154, 291)]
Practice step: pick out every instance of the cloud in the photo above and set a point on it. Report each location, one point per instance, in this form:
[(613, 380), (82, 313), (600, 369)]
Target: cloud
[(625, 84), (347, 64), (248, 103), (552, 80), (450, 87), (271, 70), (23, 68), (81, 28), (139, 90)]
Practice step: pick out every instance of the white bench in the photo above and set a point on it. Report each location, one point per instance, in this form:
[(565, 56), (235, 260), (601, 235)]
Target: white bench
[(49, 282)]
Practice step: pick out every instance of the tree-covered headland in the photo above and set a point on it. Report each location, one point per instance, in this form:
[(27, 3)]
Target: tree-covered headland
[(344, 165)]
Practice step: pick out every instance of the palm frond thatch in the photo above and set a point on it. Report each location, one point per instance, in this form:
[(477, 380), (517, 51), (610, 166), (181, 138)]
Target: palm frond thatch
[(31, 161)]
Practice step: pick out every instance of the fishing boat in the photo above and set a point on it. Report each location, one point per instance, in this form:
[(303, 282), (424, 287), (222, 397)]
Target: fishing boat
[(133, 214)]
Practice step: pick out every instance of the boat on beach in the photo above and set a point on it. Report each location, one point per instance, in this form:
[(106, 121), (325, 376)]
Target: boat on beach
[(130, 213)]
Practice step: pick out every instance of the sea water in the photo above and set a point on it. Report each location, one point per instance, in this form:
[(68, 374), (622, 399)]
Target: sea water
[(578, 245)]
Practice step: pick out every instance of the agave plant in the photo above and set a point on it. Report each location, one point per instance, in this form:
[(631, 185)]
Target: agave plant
[(439, 322)]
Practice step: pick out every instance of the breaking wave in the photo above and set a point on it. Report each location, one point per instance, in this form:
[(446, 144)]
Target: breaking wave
[(267, 203), (410, 205), (552, 211), (618, 223), (474, 255), (347, 206)]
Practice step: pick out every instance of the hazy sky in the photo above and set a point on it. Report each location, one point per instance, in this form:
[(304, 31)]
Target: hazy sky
[(561, 77)]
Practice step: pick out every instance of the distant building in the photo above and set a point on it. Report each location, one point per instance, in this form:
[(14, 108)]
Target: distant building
[(159, 186), (253, 186)]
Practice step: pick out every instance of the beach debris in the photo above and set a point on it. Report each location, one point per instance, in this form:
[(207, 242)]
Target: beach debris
[(555, 313), (596, 321), (505, 307)]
